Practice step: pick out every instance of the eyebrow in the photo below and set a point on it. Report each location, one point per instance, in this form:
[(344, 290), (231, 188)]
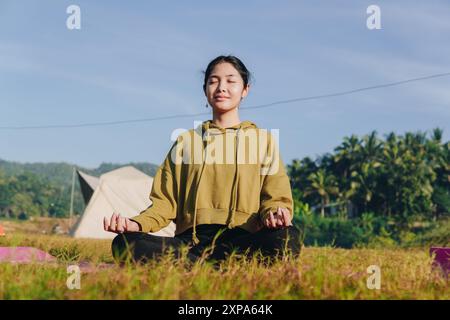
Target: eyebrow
[(229, 75)]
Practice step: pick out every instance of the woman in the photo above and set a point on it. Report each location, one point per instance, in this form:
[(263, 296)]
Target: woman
[(243, 206)]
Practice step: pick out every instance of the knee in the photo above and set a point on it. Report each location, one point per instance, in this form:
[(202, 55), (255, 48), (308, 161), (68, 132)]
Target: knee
[(284, 233), (293, 232), (294, 240), (287, 238), (118, 240), (118, 246), (121, 245)]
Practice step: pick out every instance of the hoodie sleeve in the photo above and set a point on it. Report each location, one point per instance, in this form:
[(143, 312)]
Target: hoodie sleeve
[(163, 197), (276, 188)]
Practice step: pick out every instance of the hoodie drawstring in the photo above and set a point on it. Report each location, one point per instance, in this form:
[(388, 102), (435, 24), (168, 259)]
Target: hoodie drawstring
[(235, 184), (194, 230)]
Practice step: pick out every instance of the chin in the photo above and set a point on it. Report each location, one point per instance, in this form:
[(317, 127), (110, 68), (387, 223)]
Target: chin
[(222, 108)]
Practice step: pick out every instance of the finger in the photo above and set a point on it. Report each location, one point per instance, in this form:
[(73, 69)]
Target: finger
[(272, 220), (120, 223), (106, 224), (281, 214), (113, 223), (285, 215), (280, 211), (275, 222), (287, 218), (126, 224), (280, 221), (268, 223)]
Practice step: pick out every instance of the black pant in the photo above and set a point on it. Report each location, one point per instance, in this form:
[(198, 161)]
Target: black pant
[(269, 242)]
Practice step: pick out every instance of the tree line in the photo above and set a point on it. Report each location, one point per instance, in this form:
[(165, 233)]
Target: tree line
[(400, 177)]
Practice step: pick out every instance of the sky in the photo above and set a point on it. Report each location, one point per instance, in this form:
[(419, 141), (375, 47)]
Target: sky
[(144, 59)]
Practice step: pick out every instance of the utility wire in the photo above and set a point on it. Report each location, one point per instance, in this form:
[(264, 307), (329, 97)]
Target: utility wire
[(317, 97)]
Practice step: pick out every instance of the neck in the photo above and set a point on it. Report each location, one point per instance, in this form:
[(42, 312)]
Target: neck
[(226, 119)]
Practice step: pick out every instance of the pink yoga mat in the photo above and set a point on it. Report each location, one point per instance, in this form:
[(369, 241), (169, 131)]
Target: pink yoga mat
[(442, 258), (24, 255)]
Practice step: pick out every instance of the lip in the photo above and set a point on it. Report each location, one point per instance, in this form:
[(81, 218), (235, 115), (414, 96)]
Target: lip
[(221, 98)]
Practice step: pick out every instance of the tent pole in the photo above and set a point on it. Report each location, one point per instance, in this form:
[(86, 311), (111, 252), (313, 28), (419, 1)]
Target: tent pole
[(71, 197)]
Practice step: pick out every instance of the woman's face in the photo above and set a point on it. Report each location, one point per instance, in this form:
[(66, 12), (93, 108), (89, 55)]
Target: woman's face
[(225, 87)]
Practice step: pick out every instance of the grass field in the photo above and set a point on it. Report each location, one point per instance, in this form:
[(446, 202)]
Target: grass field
[(320, 273)]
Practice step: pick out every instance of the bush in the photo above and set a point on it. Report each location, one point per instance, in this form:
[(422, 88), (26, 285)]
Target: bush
[(23, 216), (345, 233), (380, 242), (328, 231), (71, 253), (437, 234)]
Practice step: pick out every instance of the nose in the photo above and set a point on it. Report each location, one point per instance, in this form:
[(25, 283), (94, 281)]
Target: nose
[(221, 87)]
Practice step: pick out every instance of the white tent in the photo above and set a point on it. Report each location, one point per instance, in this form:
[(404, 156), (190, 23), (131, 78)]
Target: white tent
[(125, 190), (88, 185)]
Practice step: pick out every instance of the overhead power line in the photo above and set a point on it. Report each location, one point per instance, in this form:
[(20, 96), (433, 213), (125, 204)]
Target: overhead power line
[(308, 98)]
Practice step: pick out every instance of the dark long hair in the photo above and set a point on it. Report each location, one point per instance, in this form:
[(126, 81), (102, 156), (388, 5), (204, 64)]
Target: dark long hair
[(237, 64)]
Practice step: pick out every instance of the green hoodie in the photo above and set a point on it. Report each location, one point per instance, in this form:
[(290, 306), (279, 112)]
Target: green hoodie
[(199, 184)]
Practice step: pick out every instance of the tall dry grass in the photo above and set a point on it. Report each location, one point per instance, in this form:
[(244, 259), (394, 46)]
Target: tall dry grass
[(319, 273)]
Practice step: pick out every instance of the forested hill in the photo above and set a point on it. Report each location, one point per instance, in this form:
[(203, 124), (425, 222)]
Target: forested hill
[(61, 172)]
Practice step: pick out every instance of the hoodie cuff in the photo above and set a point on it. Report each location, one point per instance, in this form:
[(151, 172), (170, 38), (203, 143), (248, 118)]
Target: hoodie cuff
[(265, 213)]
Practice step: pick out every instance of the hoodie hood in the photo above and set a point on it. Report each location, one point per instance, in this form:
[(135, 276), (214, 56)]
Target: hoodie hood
[(209, 124)]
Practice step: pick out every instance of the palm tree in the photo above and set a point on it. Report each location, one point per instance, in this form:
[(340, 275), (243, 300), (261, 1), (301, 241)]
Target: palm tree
[(346, 163), (324, 185), (299, 172), (348, 154), (364, 177), (371, 149), (439, 159)]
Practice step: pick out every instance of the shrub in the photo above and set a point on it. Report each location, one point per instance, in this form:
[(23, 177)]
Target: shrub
[(346, 233)]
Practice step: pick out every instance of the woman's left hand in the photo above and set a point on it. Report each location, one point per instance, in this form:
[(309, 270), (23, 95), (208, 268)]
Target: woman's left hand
[(280, 219)]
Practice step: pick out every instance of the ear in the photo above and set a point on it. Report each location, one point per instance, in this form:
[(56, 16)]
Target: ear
[(245, 91)]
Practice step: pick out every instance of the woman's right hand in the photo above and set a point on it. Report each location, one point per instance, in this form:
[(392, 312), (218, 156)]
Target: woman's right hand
[(280, 219), (119, 224)]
